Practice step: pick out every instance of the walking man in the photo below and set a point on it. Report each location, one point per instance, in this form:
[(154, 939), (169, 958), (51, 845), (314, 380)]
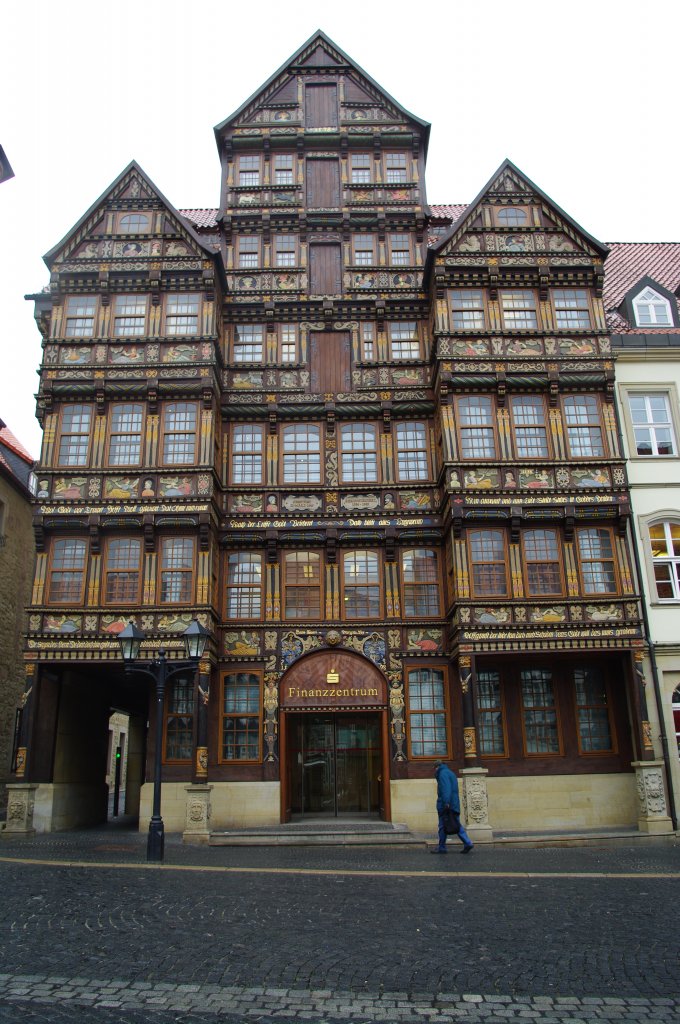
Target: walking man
[(447, 796)]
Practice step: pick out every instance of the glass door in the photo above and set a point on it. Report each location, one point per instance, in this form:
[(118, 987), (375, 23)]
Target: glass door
[(335, 764)]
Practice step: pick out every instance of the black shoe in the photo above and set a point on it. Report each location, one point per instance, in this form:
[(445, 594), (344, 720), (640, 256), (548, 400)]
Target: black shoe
[(468, 847), (437, 850)]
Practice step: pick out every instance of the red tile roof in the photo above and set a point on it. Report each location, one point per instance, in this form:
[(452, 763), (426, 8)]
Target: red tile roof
[(201, 218), (7, 438), (628, 263), (450, 212)]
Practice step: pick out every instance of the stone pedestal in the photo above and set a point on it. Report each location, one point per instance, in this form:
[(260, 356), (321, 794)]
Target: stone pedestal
[(653, 814), (197, 824), (20, 806), (475, 803)]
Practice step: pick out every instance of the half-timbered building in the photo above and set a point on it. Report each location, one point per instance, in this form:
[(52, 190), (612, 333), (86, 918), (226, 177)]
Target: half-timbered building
[(372, 446)]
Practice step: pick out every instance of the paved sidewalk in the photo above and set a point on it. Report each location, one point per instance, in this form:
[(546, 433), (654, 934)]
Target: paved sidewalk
[(91, 934)]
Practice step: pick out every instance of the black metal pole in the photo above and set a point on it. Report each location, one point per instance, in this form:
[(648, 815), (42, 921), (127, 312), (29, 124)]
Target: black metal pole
[(155, 847)]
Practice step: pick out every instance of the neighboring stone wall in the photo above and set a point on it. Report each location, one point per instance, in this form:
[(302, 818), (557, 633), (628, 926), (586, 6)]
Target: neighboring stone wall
[(17, 551)]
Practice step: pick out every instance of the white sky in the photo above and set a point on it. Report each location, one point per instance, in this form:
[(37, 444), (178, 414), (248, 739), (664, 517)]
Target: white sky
[(581, 94)]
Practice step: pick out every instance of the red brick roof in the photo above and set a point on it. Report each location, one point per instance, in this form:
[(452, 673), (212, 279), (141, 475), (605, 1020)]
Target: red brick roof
[(201, 218), (7, 438), (449, 212)]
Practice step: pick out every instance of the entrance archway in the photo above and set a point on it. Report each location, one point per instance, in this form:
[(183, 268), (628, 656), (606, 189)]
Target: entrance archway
[(334, 738)]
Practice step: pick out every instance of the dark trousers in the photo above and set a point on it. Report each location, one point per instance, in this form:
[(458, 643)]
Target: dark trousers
[(462, 835)]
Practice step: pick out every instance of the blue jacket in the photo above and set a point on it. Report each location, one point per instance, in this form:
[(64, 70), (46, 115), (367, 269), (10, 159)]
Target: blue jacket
[(447, 789)]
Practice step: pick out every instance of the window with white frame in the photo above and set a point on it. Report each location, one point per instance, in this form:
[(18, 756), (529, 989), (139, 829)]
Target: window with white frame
[(284, 251), (130, 316), (519, 309), (283, 169), (358, 453), (288, 343), (80, 314), (664, 540), (247, 453), (412, 451), (652, 424), (249, 170), (652, 309), (400, 250), (467, 309), (248, 252), (364, 254), (181, 316), (368, 341), (571, 308)]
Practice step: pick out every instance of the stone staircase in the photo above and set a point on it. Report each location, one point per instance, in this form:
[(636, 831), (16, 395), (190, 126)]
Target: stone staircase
[(319, 833)]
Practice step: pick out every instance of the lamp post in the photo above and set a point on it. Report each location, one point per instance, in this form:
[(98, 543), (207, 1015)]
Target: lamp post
[(195, 638)]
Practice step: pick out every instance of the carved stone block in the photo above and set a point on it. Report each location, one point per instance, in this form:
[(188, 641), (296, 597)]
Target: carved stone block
[(651, 790), (20, 805), (198, 811), (475, 803)]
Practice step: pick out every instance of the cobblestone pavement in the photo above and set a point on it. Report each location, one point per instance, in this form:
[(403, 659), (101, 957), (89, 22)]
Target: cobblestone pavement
[(90, 934)]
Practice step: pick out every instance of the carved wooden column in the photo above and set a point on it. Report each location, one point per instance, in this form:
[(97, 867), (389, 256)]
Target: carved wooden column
[(475, 797)]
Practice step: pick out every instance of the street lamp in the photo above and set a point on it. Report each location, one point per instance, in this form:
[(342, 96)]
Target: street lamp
[(195, 638)]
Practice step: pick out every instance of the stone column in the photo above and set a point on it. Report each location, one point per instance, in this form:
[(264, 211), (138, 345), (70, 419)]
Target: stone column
[(20, 805), (652, 810), (197, 822), (476, 803)]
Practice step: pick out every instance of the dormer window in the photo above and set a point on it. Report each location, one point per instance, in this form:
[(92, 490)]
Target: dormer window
[(652, 309)]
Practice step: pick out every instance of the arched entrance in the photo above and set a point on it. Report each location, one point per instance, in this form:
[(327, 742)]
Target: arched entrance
[(333, 742)]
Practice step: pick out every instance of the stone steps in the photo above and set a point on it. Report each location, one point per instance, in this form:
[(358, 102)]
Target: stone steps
[(318, 834)]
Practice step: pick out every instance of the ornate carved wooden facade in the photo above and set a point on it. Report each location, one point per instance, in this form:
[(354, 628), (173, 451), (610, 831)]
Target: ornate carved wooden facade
[(377, 471)]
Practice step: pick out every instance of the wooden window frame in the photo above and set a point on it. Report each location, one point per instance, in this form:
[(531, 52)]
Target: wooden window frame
[(183, 573), (477, 437), (250, 341), (538, 707), (408, 452), (287, 586), (358, 174), (613, 747), (249, 166), (530, 428), (66, 431), (182, 322), (476, 590), (256, 718), (125, 229), (345, 451), (442, 752), (130, 323), (363, 586), (287, 173), (112, 433), (298, 456), (468, 309), (285, 251), (360, 247), (568, 301), (170, 431), (368, 342), (396, 167), (418, 586), (400, 255), (242, 586), (170, 715), (601, 560), (411, 337), (135, 596), (495, 709), (525, 309), (81, 322), (528, 562), (248, 254), (583, 427), (288, 343), (67, 568), (240, 456), (513, 221)]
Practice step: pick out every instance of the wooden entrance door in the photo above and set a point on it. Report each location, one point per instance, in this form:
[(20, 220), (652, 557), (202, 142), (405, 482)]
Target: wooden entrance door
[(330, 362)]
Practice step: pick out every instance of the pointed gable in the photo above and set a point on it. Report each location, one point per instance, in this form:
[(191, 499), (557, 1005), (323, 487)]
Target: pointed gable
[(131, 223), (321, 62), (513, 220)]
